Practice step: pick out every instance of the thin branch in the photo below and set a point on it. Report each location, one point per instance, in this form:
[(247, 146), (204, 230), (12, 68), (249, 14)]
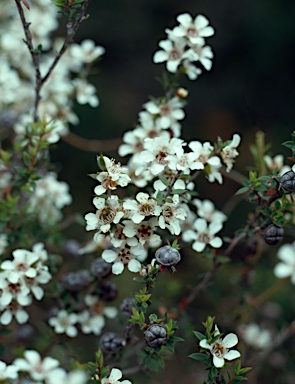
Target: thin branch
[(90, 145), (71, 31), (72, 27)]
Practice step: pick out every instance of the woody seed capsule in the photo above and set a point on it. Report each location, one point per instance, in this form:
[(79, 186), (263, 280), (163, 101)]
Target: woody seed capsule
[(288, 181), (273, 234), (167, 256), (155, 335)]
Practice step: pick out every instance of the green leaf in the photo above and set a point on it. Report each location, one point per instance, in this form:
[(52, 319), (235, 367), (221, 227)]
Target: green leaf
[(199, 335), (199, 357), (164, 180), (241, 191), (238, 379)]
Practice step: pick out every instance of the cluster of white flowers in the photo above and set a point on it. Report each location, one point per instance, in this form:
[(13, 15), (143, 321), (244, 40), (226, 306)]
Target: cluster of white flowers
[(40, 370), (185, 45), (20, 281), (17, 76), (166, 165), (91, 319), (220, 349), (48, 198)]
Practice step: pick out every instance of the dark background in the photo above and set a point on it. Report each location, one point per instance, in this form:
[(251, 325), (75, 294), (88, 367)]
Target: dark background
[(250, 87)]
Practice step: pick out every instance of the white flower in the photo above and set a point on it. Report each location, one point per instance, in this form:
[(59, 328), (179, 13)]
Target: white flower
[(114, 175), (286, 268), (206, 155), (159, 153), (91, 324), (86, 51), (8, 371), (229, 152), (193, 29), (11, 291), (220, 349), (207, 211), (144, 231), (171, 214), (191, 70), (166, 112), (203, 54), (125, 255), (85, 93), (108, 211), (204, 234), (115, 377), (144, 206), (64, 323), (59, 376), (20, 266), (172, 52), (37, 368), (255, 336)]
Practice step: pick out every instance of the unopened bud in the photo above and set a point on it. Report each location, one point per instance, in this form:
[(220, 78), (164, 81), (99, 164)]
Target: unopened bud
[(182, 93)]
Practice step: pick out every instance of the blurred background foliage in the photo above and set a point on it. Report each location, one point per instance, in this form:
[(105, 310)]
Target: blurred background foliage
[(250, 88)]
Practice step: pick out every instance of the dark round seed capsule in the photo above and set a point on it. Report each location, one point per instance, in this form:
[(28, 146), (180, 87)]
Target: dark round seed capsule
[(109, 291), (155, 335), (76, 281), (110, 342), (288, 181), (100, 268), (126, 306), (273, 234), (167, 256)]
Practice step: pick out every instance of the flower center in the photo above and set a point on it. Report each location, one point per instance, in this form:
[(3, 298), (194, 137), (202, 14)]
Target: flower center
[(218, 350), (146, 209), (144, 231), (106, 215), (174, 55), (161, 155)]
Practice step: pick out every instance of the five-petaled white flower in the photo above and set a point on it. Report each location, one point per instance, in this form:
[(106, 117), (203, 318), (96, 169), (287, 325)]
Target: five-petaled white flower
[(145, 206), (220, 349), (108, 211), (204, 234), (125, 255), (37, 368), (64, 323), (193, 29)]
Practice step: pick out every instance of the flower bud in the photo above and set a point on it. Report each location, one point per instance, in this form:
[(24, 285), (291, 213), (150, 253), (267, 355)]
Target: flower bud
[(155, 335), (288, 181), (182, 93), (167, 256), (273, 234)]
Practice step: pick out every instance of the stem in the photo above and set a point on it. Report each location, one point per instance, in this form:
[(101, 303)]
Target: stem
[(71, 31)]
